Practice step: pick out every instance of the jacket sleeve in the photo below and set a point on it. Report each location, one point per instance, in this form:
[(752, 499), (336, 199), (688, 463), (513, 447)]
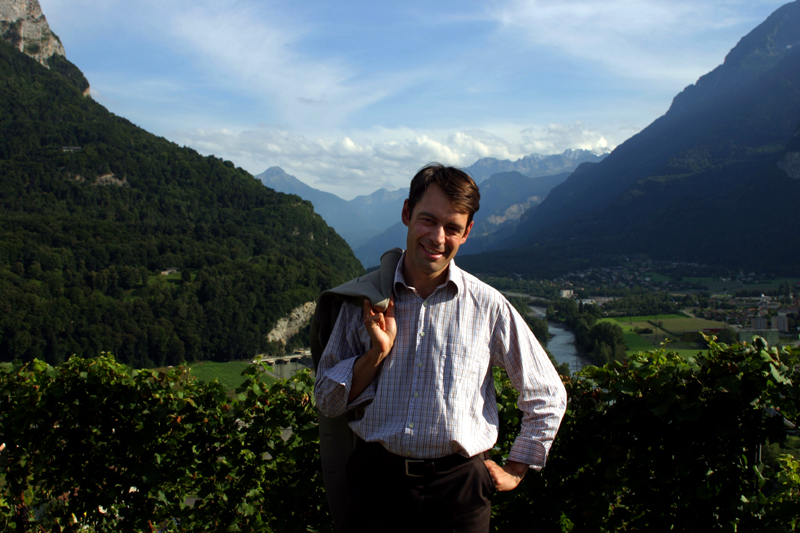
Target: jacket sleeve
[(347, 342)]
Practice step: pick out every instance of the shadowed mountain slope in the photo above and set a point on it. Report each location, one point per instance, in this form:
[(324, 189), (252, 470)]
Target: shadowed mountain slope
[(702, 183)]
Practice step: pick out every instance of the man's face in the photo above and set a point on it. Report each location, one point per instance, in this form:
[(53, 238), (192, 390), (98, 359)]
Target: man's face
[(435, 232)]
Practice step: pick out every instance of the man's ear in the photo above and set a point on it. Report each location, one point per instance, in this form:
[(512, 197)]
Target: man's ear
[(406, 215), (466, 232)]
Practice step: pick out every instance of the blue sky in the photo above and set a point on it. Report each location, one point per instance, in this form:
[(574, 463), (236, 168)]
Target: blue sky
[(352, 96)]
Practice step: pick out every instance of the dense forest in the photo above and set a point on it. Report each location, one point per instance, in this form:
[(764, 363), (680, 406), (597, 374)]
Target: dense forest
[(93, 209)]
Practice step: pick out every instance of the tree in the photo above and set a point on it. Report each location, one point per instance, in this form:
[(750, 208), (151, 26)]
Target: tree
[(728, 336)]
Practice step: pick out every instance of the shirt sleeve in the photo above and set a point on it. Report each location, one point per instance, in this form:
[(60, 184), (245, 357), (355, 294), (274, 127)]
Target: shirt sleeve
[(542, 396), (335, 371)]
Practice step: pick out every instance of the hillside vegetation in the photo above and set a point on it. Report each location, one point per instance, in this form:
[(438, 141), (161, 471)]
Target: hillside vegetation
[(91, 207)]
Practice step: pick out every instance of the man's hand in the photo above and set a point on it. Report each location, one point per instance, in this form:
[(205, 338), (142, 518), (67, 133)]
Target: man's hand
[(382, 329), (381, 326), (506, 477)]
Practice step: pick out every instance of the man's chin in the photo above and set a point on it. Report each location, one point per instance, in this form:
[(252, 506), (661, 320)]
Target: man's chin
[(435, 265)]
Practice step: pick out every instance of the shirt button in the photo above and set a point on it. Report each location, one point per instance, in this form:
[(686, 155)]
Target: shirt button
[(411, 425), (408, 454), (416, 394), (425, 304), (421, 333), (419, 365)]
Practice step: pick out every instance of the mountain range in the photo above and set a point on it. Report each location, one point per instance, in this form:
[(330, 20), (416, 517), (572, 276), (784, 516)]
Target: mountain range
[(714, 180), (535, 165), (371, 223)]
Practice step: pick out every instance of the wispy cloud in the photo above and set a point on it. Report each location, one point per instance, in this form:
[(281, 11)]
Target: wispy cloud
[(248, 48), (644, 39)]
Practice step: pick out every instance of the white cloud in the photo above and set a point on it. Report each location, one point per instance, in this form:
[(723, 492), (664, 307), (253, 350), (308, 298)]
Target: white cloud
[(555, 138), (361, 162)]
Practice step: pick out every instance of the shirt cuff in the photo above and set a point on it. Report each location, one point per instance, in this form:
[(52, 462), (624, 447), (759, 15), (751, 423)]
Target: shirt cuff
[(336, 384), (528, 451)]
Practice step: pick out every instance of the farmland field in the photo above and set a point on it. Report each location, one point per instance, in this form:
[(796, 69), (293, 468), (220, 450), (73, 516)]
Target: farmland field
[(656, 277), (671, 327), (715, 286), (637, 343), (645, 318), (770, 285), (228, 374)]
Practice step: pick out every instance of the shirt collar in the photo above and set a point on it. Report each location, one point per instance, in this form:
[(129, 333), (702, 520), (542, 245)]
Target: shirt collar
[(454, 275)]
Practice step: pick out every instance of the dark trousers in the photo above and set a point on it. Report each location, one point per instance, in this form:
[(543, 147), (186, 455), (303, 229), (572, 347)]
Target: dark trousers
[(450, 495)]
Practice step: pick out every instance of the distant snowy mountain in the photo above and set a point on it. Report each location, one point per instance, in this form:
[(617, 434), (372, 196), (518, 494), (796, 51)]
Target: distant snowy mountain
[(535, 165)]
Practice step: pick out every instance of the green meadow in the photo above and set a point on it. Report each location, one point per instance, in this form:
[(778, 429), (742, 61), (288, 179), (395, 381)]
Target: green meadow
[(670, 330), (228, 374)]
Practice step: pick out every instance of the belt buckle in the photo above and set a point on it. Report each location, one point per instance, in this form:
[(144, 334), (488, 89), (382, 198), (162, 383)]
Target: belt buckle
[(410, 461)]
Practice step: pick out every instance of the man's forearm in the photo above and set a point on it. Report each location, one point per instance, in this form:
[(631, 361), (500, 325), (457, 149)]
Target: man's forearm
[(364, 371)]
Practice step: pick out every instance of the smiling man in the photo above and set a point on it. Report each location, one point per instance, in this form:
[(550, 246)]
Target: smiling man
[(421, 371)]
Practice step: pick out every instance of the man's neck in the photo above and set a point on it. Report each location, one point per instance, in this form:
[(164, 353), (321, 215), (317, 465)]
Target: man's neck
[(424, 285)]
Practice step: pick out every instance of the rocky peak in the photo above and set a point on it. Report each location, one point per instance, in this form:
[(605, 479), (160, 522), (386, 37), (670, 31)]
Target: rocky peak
[(23, 24), (760, 51)]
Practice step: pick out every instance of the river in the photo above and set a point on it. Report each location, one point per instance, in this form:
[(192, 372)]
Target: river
[(562, 343)]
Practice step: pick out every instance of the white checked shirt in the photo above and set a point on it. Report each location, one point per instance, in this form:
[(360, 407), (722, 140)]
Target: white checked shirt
[(434, 393)]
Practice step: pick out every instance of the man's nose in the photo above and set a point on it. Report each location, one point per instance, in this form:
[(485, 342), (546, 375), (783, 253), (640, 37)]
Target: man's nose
[(438, 235)]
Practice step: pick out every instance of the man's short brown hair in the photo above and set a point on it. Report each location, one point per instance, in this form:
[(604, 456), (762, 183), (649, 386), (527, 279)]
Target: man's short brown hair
[(457, 185)]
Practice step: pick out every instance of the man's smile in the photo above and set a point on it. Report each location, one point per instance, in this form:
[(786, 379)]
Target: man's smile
[(431, 251)]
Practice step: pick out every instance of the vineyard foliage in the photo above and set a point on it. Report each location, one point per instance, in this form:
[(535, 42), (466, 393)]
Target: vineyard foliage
[(94, 443), (657, 442), (660, 442)]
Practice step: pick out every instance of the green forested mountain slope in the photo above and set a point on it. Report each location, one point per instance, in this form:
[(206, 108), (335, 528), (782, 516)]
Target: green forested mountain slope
[(92, 208), (702, 183)]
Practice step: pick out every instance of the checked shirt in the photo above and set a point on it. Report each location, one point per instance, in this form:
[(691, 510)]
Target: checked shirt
[(434, 393)]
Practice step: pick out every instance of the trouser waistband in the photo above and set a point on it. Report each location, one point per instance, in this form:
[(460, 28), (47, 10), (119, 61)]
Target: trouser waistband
[(412, 467)]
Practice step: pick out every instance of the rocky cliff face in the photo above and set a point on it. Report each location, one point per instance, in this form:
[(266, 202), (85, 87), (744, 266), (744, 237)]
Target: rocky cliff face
[(23, 24), (288, 326)]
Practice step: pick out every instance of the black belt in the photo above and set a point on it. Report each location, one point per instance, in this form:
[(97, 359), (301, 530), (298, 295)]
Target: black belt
[(415, 467)]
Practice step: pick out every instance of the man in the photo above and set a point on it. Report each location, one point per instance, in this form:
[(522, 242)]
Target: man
[(424, 365)]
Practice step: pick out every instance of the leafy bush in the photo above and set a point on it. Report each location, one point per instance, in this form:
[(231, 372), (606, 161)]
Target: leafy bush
[(654, 443), (95, 444), (665, 443)]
